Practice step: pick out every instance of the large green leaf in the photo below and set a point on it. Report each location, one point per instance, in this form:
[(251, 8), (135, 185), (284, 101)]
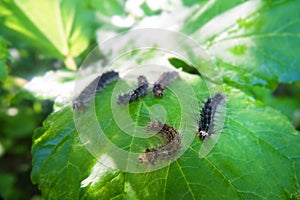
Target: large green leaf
[(254, 43), (59, 28), (256, 156)]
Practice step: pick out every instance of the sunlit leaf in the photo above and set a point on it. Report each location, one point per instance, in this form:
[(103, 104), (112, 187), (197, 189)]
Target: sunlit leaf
[(109, 8), (258, 47), (80, 154), (206, 11), (250, 160), (59, 28)]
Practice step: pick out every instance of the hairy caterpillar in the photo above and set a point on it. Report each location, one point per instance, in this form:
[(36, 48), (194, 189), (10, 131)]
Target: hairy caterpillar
[(135, 94), (142, 81), (166, 152), (86, 94), (163, 80), (206, 123), (165, 130)]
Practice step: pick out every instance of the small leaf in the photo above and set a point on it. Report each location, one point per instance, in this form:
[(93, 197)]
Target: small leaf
[(177, 63)]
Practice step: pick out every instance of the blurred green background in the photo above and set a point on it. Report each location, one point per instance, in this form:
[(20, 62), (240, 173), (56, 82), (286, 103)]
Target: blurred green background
[(55, 37)]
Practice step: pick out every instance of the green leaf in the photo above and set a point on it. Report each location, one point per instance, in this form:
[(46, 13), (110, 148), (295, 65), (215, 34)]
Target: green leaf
[(4, 53), (256, 156), (189, 3), (3, 72), (59, 28), (148, 11), (59, 158), (205, 11), (180, 64), (285, 94), (110, 8), (257, 48)]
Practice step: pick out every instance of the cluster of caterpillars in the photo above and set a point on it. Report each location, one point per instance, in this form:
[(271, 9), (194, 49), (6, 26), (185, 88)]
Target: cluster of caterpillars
[(108, 77), (142, 89), (172, 139)]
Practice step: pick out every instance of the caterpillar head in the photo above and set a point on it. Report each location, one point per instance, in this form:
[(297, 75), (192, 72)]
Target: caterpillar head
[(158, 91), (202, 135)]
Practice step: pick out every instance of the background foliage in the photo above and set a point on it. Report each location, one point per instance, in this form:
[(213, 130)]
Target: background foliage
[(255, 45)]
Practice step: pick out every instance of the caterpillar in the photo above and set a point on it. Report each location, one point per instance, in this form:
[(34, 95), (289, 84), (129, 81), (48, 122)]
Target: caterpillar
[(86, 94), (165, 130), (142, 81), (135, 94), (163, 80), (166, 152), (206, 123)]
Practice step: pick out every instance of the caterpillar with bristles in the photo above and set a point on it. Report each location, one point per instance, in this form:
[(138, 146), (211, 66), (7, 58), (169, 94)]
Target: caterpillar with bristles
[(87, 93), (163, 80), (135, 94), (207, 116), (166, 152)]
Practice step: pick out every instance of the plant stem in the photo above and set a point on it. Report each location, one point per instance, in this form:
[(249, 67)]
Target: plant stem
[(70, 63)]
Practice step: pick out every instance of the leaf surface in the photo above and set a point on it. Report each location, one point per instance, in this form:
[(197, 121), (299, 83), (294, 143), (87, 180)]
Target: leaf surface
[(3, 57), (255, 157), (58, 28), (255, 43)]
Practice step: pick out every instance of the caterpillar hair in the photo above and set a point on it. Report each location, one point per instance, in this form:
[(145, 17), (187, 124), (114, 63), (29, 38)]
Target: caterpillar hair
[(206, 123), (86, 94), (168, 132), (165, 152)]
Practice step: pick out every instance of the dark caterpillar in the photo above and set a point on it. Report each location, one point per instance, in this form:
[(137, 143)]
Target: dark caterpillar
[(105, 79), (165, 130), (163, 80), (135, 94), (166, 152), (208, 116), (142, 81), (87, 93)]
